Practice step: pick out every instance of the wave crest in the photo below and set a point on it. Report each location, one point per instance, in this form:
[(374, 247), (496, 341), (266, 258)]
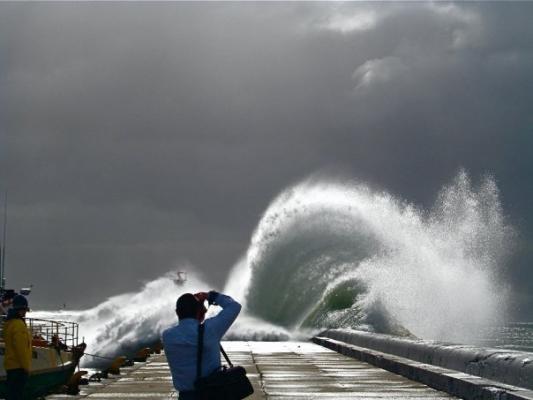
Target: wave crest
[(338, 255)]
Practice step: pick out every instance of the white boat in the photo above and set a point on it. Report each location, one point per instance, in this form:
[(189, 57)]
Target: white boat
[(56, 353)]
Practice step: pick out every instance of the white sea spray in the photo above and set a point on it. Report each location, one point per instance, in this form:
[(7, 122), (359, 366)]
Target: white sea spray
[(327, 254)]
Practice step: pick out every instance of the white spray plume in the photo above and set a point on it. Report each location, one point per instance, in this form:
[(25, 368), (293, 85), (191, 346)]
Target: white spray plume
[(121, 322), (433, 273)]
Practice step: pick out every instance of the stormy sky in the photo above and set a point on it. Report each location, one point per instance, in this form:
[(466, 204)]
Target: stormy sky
[(138, 137)]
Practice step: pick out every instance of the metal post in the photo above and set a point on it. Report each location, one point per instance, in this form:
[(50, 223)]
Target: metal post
[(3, 252)]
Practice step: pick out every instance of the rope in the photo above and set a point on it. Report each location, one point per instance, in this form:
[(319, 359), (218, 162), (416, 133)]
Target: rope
[(97, 356)]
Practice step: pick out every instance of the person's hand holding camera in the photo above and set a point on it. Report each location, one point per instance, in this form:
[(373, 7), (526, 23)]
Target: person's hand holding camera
[(201, 296)]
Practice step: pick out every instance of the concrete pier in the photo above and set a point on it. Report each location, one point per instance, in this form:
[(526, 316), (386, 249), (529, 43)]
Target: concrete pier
[(460, 384), (501, 365), (278, 370)]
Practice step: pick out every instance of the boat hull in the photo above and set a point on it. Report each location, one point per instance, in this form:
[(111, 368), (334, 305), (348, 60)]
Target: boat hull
[(42, 383), (50, 369)]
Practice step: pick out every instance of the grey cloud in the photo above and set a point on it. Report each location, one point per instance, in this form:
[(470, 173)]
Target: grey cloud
[(138, 135)]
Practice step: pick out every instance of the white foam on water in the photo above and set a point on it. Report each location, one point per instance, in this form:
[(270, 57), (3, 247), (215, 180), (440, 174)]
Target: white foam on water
[(326, 254)]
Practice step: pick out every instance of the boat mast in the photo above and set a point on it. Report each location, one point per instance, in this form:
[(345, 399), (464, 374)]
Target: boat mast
[(3, 249)]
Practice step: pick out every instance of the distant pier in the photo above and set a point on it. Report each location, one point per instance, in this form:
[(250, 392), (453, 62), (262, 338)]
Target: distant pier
[(278, 370)]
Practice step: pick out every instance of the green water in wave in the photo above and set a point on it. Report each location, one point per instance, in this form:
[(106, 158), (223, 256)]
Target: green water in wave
[(337, 309)]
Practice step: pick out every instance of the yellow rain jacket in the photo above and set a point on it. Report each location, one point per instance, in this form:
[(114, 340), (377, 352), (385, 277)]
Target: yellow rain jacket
[(17, 340)]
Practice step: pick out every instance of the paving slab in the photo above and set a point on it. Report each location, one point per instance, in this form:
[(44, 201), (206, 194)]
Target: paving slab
[(277, 370)]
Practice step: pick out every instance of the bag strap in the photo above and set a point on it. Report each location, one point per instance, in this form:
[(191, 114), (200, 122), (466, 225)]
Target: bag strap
[(201, 328), (226, 356), (200, 350)]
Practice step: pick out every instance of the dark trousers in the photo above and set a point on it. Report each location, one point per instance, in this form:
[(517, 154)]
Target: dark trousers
[(16, 381), (189, 395)]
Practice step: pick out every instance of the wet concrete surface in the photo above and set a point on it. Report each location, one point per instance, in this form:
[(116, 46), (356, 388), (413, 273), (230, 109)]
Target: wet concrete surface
[(277, 370)]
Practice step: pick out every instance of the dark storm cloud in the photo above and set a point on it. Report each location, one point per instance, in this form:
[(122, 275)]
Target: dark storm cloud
[(138, 135)]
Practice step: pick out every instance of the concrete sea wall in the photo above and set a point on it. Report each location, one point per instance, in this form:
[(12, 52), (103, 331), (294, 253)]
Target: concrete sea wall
[(509, 367)]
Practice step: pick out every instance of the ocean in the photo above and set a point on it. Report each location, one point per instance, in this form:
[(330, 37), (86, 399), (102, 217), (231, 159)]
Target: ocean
[(511, 336)]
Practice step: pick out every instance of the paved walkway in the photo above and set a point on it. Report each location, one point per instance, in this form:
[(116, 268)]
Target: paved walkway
[(278, 370)]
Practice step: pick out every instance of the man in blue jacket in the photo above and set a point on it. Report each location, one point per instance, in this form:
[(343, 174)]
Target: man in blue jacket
[(181, 341)]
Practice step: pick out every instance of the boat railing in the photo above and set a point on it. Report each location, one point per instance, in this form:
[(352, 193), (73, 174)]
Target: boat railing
[(56, 332), (62, 334)]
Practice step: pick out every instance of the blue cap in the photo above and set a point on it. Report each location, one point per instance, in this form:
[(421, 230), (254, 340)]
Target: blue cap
[(20, 302)]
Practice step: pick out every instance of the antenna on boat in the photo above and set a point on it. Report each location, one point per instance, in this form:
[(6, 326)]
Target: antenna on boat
[(3, 249)]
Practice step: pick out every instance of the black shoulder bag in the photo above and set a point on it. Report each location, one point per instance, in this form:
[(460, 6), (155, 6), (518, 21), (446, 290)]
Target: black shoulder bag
[(227, 383)]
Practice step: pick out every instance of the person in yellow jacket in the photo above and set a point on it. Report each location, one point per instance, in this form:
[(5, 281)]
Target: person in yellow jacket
[(17, 357)]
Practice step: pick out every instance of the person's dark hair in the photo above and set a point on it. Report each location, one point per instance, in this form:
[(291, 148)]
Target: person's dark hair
[(187, 306), (20, 302)]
